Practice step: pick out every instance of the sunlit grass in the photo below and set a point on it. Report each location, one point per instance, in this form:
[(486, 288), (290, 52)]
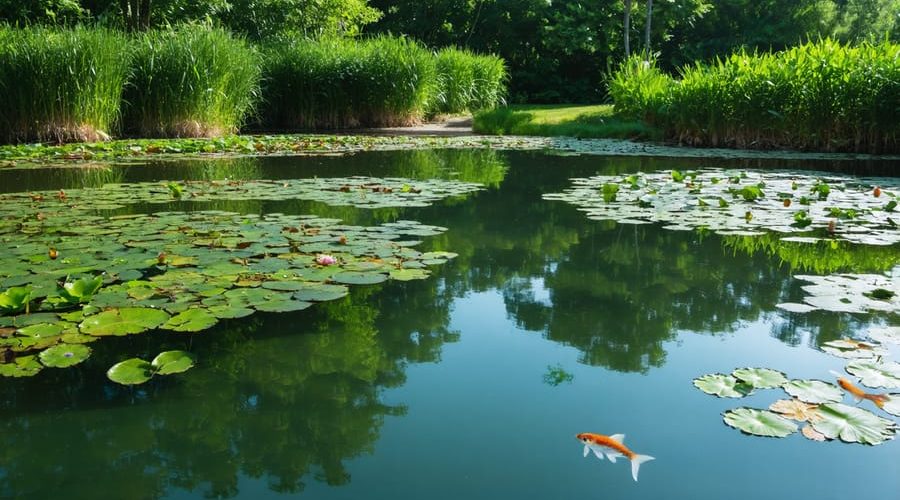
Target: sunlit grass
[(593, 121)]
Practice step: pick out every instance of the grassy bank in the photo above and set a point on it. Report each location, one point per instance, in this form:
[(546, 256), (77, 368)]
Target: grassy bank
[(820, 96), (595, 121)]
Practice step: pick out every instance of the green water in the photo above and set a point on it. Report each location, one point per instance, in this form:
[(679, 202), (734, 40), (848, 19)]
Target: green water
[(440, 388)]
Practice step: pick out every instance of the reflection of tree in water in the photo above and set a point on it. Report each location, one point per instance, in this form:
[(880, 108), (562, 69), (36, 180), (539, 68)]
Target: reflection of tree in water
[(276, 406)]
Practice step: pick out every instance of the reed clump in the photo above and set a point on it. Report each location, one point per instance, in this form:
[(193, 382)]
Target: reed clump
[(467, 81), (341, 83), (191, 81), (60, 85), (822, 95)]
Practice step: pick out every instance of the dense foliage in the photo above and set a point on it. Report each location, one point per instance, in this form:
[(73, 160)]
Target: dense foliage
[(60, 85), (190, 82), (824, 96)]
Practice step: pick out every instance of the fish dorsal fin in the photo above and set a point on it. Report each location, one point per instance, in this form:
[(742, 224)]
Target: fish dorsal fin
[(618, 437)]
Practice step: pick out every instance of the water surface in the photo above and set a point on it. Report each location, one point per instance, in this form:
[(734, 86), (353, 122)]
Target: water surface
[(438, 389)]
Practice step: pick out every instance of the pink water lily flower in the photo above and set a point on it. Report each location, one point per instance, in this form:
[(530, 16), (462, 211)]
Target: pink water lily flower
[(325, 260)]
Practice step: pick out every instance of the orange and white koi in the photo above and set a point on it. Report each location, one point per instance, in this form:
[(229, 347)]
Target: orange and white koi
[(859, 394), (613, 448)]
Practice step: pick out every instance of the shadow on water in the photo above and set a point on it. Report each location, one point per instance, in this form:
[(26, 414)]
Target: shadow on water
[(291, 398)]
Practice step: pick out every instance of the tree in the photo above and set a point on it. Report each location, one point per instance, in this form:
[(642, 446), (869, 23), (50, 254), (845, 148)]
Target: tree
[(627, 24), (647, 28)]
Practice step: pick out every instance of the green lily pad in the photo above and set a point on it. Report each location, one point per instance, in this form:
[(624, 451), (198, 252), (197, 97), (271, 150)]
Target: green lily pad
[(132, 371), (876, 374), (229, 312), (853, 425), (359, 278), (813, 391), (124, 321), (723, 386), (320, 292), (760, 378), (42, 330), (169, 362), (408, 274), (64, 355), (282, 305), (81, 290), (15, 299), (22, 366), (191, 320), (759, 422), (852, 349), (284, 286)]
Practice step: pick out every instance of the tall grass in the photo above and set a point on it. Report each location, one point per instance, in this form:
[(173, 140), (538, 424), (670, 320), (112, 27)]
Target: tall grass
[(467, 81), (60, 84), (192, 81), (340, 83), (821, 95)]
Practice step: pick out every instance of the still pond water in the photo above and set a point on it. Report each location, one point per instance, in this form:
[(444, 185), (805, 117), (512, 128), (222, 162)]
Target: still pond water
[(472, 383)]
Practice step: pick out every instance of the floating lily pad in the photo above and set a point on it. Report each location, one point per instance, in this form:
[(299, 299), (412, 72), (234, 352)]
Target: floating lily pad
[(132, 371), (359, 278), (892, 404), (813, 391), (853, 425), (886, 335), (282, 305), (230, 312), (813, 435), (22, 366), (724, 386), (876, 374), (191, 320), (760, 378), (759, 422), (795, 410), (169, 362), (321, 292), (408, 274), (852, 349), (125, 321), (64, 355)]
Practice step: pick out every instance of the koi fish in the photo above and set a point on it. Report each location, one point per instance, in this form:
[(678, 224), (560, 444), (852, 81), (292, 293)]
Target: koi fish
[(859, 394), (613, 448)]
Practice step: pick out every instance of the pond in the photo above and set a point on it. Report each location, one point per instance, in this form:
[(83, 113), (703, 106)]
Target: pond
[(472, 382)]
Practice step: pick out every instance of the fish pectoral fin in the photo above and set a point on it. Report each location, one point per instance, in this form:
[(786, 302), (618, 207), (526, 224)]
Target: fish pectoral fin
[(587, 449), (598, 452), (618, 437), (613, 456)]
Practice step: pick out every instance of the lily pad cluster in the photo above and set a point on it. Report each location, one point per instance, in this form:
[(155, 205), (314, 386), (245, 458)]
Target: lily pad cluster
[(136, 371), (853, 293), (745, 203), (815, 403), (69, 277)]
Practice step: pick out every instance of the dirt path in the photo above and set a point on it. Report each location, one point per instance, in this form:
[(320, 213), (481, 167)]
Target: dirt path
[(452, 127)]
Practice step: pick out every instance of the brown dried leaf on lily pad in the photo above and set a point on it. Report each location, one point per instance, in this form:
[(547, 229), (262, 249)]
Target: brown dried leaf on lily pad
[(796, 410), (812, 434)]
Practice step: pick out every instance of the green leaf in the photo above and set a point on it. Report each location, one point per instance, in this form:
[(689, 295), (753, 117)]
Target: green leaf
[(23, 366), (761, 378), (609, 192), (875, 374), (724, 386), (124, 321), (81, 290), (64, 355), (759, 422), (192, 320), (677, 176), (408, 274), (15, 299), (320, 292), (132, 371), (359, 278), (853, 425), (169, 362), (813, 391)]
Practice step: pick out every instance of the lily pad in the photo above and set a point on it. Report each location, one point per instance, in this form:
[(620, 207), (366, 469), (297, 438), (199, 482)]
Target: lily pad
[(169, 362), (359, 278), (64, 355), (723, 386), (124, 321), (892, 404), (192, 320), (22, 366), (795, 410), (760, 378), (321, 292), (876, 374), (853, 425), (132, 371), (886, 335), (759, 422), (813, 435), (813, 391), (408, 274), (852, 349)]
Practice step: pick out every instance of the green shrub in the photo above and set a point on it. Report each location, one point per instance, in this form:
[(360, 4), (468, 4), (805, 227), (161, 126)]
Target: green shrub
[(639, 89), (467, 82), (60, 84), (340, 83), (191, 81), (823, 96)]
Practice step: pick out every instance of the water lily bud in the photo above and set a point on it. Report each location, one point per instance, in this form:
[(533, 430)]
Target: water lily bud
[(325, 259), (52, 253), (876, 192), (787, 202)]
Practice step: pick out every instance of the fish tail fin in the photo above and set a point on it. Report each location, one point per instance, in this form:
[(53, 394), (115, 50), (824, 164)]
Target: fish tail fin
[(878, 399), (636, 462)]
